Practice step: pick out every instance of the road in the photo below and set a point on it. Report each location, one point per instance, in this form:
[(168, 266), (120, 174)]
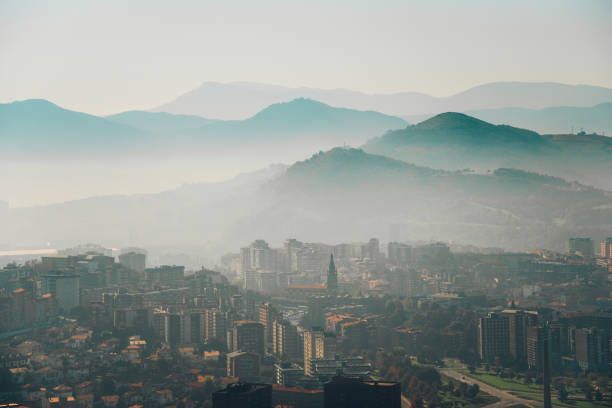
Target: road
[(505, 398)]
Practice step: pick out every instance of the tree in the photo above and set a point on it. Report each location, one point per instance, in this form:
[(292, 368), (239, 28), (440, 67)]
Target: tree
[(562, 393), (602, 382), (473, 391), (108, 386)]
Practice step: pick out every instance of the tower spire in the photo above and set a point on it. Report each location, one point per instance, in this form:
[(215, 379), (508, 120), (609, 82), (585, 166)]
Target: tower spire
[(332, 277)]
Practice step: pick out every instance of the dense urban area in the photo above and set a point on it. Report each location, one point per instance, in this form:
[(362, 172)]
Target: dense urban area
[(420, 325)]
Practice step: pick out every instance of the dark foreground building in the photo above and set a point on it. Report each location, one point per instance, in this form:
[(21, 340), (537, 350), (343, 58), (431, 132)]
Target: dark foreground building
[(351, 392), (243, 396)]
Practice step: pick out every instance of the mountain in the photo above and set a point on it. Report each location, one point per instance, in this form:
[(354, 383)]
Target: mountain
[(38, 126), (341, 195), (159, 122), (306, 122), (240, 100), (556, 119), (562, 119), (455, 141), (42, 146)]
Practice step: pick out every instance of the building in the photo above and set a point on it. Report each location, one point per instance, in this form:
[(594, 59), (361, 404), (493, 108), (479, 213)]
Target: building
[(582, 246), (287, 374), (216, 325), (326, 369), (518, 322), (399, 254), (135, 261), (64, 287), (542, 340), (267, 316), (493, 336), (283, 396), (592, 349), (403, 282), (248, 335), (285, 340), (606, 248), (165, 274), (349, 392), (243, 395), (243, 365), (317, 345), (332, 277)]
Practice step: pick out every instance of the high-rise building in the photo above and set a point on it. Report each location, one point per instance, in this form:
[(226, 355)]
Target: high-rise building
[(332, 277), (248, 335), (403, 282), (606, 248), (349, 392), (317, 345), (165, 274), (243, 395), (173, 329), (285, 340), (541, 340), (399, 254), (243, 365), (493, 336), (582, 246), (592, 349), (64, 287), (518, 322), (135, 261), (267, 316), (287, 374), (216, 325)]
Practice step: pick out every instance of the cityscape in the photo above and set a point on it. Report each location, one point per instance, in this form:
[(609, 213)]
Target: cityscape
[(320, 204), (94, 326)]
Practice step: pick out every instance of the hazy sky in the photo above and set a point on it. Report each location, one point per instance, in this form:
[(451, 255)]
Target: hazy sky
[(107, 56)]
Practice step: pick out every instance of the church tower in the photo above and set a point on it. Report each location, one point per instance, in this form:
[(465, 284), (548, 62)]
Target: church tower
[(332, 277)]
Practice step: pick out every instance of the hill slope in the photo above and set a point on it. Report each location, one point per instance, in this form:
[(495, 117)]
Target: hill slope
[(338, 195), (37, 125), (159, 122), (301, 121), (560, 119), (455, 141)]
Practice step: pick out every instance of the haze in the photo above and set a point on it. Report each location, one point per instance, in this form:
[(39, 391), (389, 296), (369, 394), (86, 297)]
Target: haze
[(111, 56)]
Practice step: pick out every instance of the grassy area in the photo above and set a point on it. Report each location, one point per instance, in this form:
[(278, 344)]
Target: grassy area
[(481, 400), (531, 392), (501, 383), (571, 403)]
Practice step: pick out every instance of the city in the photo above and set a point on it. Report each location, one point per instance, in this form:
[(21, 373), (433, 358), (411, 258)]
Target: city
[(84, 328), (305, 204)]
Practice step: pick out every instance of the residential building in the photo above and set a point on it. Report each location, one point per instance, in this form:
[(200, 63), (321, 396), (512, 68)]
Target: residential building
[(493, 336), (243, 365), (348, 392), (243, 395)]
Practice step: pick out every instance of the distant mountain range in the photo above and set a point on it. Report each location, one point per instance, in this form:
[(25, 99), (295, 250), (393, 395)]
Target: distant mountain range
[(340, 195), (39, 126), (559, 119), (455, 141), (240, 100)]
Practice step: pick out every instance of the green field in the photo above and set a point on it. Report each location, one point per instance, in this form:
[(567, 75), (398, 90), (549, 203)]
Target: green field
[(532, 391)]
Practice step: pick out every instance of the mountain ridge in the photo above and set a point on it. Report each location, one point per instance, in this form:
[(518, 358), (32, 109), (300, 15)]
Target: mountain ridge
[(240, 100)]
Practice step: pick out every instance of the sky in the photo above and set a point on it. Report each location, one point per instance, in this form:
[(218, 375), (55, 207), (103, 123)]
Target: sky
[(108, 56)]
